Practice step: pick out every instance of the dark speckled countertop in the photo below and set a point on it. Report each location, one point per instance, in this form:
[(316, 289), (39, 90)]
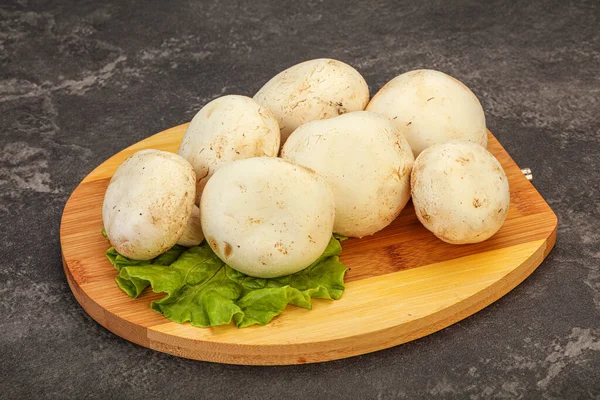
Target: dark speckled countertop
[(81, 80)]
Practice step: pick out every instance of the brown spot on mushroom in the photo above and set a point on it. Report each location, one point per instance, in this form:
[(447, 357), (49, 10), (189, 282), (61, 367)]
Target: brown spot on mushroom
[(424, 215), (254, 220), (209, 112), (227, 249), (431, 98), (410, 123), (310, 239), (463, 160), (340, 108), (281, 248), (398, 173), (213, 243), (476, 203), (310, 171)]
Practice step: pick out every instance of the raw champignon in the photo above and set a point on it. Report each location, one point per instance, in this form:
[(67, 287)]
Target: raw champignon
[(226, 129), (313, 90), (266, 217), (460, 192), (430, 107), (149, 205), (366, 162)]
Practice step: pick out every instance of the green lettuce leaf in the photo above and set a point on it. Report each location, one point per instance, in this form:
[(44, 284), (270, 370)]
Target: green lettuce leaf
[(339, 237), (204, 291), (134, 287)]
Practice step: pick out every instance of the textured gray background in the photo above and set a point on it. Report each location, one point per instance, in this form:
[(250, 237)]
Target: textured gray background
[(80, 81)]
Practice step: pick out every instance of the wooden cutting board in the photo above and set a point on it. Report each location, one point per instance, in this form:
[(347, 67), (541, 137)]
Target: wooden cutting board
[(403, 282)]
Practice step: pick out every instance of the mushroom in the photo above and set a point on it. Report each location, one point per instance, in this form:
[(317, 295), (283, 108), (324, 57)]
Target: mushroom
[(226, 129), (313, 90), (460, 192), (149, 205), (266, 217), (430, 107), (366, 162)]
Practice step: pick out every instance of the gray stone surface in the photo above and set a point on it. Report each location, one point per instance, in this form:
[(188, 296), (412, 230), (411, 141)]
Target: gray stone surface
[(80, 81)]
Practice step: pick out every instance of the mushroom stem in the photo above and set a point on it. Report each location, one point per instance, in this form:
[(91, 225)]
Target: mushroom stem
[(192, 236)]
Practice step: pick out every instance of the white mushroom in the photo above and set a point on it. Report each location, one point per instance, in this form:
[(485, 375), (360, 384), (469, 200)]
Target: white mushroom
[(366, 163), (226, 129), (430, 107), (460, 192), (149, 205), (266, 217), (313, 90)]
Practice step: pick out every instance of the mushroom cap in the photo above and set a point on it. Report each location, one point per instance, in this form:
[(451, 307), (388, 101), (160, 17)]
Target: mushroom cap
[(430, 107), (266, 217), (226, 129), (366, 162), (148, 203), (460, 192), (313, 90)]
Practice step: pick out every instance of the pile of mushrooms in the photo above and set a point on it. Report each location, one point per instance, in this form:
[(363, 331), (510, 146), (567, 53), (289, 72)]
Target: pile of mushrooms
[(267, 180)]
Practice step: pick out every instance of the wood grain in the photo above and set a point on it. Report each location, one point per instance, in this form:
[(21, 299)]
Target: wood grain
[(403, 282)]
